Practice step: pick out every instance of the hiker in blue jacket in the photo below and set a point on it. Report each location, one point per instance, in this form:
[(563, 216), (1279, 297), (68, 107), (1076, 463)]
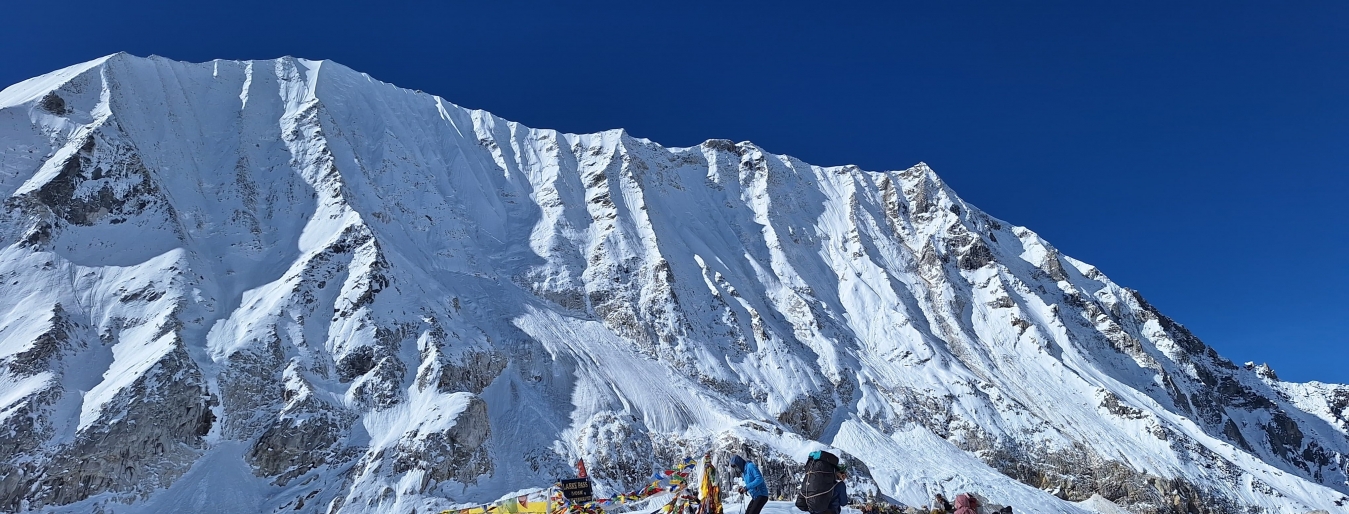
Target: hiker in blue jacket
[(754, 483), (840, 491)]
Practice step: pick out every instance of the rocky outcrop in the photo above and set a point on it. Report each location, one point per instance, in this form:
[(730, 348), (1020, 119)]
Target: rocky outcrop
[(309, 432), (1079, 473), (458, 454), (158, 427)]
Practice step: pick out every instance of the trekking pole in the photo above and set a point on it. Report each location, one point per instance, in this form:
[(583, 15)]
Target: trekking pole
[(744, 506)]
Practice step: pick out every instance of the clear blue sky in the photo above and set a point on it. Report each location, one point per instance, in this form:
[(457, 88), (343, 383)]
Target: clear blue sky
[(1198, 153)]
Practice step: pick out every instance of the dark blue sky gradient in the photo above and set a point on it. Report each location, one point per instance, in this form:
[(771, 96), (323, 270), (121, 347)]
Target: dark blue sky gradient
[(1198, 153)]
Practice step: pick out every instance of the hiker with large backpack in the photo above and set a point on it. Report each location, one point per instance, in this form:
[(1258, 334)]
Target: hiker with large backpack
[(754, 483), (822, 489)]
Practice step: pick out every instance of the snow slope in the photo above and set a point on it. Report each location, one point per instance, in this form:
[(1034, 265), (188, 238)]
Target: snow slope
[(301, 288)]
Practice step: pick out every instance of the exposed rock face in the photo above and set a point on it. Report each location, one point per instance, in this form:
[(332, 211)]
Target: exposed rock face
[(621, 451), (459, 453), (290, 447), (380, 301), (158, 430)]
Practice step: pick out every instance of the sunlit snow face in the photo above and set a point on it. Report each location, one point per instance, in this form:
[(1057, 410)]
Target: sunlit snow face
[(452, 294)]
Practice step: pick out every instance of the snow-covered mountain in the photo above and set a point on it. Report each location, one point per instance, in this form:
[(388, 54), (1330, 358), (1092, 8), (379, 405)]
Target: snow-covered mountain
[(285, 285)]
